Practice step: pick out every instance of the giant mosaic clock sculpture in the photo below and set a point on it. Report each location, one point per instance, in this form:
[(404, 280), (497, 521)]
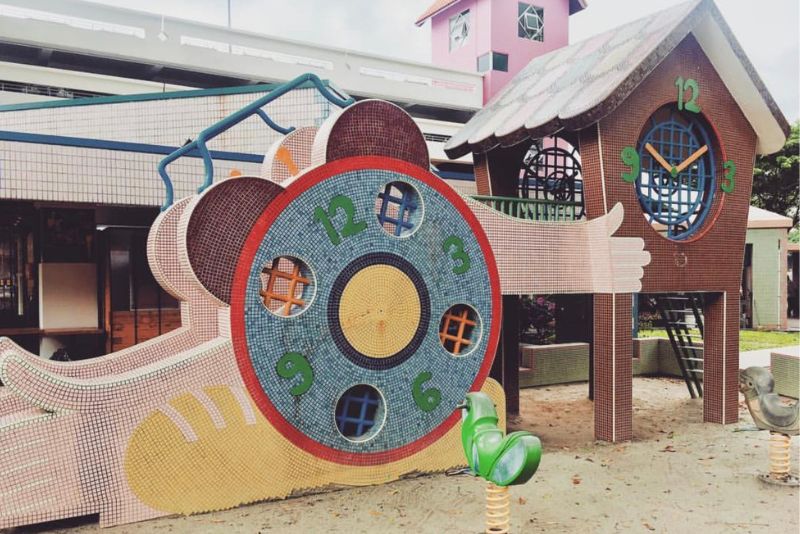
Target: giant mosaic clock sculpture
[(674, 165), (365, 315)]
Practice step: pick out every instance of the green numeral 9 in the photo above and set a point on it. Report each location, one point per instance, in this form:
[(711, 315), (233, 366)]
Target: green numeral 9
[(730, 174), (292, 364), (351, 226), (458, 254), (426, 399), (630, 158)]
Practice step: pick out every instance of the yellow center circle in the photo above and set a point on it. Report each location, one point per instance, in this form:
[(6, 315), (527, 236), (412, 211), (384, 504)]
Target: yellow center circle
[(379, 311)]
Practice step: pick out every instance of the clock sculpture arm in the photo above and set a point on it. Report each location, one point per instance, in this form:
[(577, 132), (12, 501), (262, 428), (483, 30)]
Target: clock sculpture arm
[(691, 159), (581, 257), (658, 157)]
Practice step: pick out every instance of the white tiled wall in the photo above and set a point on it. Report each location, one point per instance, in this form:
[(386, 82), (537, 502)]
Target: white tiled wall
[(66, 174), (59, 173)]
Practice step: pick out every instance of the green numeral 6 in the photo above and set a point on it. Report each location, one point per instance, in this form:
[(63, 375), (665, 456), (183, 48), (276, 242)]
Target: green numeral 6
[(426, 399)]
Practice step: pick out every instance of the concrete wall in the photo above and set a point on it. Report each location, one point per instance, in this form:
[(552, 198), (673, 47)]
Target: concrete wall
[(543, 365), (769, 277)]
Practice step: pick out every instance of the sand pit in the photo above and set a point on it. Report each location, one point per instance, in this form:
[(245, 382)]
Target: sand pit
[(677, 475)]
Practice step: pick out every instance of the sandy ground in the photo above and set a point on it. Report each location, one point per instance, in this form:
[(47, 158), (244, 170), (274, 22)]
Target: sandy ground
[(678, 475)]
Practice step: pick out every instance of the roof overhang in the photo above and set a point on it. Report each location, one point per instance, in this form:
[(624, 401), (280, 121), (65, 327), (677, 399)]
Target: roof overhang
[(761, 218), (740, 77)]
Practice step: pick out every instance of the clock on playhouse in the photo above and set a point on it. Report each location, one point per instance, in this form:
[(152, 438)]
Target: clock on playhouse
[(674, 165)]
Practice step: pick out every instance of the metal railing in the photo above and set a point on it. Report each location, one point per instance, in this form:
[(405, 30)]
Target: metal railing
[(330, 93), (533, 209)]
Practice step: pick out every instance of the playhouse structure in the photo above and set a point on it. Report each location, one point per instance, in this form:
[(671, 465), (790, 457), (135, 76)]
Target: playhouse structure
[(663, 115), (338, 300)]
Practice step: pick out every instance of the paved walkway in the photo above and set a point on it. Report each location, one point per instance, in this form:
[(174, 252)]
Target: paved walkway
[(760, 357)]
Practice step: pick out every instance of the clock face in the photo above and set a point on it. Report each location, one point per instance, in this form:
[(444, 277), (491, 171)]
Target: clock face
[(676, 180), (366, 304)]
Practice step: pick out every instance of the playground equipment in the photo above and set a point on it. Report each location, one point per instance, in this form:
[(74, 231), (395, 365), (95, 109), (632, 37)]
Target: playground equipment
[(769, 413), (660, 126), (501, 460), (333, 316)]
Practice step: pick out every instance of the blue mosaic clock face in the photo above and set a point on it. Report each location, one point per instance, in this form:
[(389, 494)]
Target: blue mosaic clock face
[(676, 184), (368, 312)]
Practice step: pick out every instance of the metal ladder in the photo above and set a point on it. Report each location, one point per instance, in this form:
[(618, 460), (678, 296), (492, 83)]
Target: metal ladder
[(677, 310)]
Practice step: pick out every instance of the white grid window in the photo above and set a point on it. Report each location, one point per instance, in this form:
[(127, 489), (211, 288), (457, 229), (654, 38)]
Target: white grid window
[(530, 22), (459, 30)]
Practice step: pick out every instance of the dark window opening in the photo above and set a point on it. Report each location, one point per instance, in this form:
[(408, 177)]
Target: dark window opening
[(493, 61)]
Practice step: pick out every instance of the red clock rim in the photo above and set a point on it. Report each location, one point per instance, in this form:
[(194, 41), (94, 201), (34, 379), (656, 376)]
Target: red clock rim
[(251, 245)]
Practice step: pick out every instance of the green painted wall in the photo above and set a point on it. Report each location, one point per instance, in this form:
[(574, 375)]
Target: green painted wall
[(769, 300)]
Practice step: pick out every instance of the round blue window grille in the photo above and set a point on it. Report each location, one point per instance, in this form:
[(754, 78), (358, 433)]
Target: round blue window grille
[(677, 183), (359, 412)]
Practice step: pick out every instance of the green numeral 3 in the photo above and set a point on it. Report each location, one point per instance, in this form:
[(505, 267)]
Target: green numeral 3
[(730, 174), (458, 254)]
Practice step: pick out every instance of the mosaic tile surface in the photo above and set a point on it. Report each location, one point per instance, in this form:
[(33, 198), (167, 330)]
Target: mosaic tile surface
[(130, 438), (425, 257), (49, 172), (329, 395)]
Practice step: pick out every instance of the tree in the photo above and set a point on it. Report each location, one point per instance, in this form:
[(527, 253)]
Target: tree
[(775, 178)]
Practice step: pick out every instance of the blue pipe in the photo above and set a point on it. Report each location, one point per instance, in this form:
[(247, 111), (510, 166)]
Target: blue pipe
[(235, 118)]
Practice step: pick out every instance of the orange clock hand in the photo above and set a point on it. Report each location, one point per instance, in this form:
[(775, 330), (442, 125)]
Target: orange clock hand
[(657, 157), (699, 152)]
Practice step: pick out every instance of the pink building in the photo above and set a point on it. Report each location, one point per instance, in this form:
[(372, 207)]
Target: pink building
[(497, 37)]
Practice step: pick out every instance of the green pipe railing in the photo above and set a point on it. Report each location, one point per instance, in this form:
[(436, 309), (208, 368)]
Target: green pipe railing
[(533, 209)]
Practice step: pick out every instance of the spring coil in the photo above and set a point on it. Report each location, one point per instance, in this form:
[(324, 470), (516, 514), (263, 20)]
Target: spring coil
[(498, 512), (779, 455)]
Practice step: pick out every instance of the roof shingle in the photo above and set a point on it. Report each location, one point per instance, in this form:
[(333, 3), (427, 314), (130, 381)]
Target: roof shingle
[(573, 87)]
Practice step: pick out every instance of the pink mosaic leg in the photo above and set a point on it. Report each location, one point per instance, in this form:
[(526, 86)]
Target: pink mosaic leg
[(721, 358), (613, 380)]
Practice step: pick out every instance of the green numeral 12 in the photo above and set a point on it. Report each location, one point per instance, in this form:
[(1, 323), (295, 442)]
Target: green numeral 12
[(730, 174), (351, 226), (688, 85), (426, 399), (292, 364)]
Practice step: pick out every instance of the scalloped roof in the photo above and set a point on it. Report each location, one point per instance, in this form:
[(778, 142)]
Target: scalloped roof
[(575, 86), (440, 5)]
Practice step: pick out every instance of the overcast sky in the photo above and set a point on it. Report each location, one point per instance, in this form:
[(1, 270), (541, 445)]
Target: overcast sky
[(766, 29)]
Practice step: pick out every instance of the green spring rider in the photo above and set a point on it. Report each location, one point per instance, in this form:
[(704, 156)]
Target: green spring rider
[(499, 459)]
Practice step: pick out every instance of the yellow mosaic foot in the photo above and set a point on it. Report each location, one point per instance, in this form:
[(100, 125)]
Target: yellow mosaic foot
[(205, 450)]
